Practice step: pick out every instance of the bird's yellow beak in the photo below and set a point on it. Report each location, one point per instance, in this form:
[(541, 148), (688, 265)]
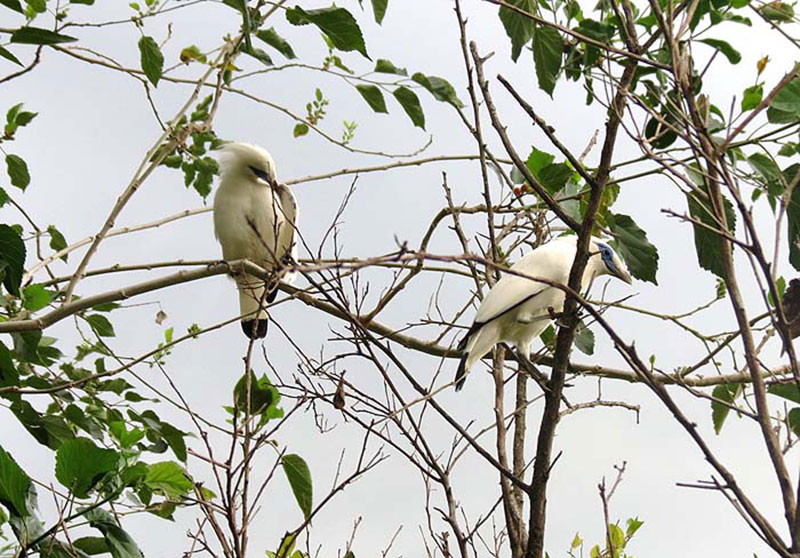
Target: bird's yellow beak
[(623, 274)]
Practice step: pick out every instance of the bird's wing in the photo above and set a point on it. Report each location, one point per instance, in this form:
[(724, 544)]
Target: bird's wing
[(550, 261), (287, 236), (507, 294)]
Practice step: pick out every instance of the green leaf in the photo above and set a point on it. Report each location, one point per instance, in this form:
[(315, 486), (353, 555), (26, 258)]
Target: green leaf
[(752, 96), (719, 412), (299, 477), (37, 6), (778, 12), (548, 48), (384, 66), (192, 52), (17, 170), (794, 420), (258, 54), (169, 478), (410, 103), (38, 36), (576, 542), (91, 545), (264, 397), (438, 87), (12, 258), (8, 55), (617, 536), (57, 240), (554, 176), (118, 540), (792, 216), (787, 391), (300, 129), (584, 340), (708, 243), (338, 24), (725, 48), (518, 27), (13, 4), (80, 465), (271, 37), (14, 485), (101, 325), (151, 59), (379, 10), (373, 96), (538, 160), (632, 245), (788, 98), (36, 297), (785, 107), (633, 525)]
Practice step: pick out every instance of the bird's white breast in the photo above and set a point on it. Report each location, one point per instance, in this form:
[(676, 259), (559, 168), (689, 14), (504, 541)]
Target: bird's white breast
[(246, 221)]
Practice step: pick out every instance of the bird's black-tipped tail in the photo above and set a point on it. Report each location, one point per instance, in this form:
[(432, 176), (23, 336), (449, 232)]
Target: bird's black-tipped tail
[(461, 371), (254, 329)]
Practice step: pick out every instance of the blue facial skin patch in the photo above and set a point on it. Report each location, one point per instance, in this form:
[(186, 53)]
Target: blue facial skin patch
[(608, 257)]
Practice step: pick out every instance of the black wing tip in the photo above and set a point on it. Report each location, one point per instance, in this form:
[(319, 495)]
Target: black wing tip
[(461, 374), (254, 329)]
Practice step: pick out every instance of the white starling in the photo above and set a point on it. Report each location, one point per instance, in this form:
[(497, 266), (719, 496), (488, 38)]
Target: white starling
[(254, 219), (517, 310)]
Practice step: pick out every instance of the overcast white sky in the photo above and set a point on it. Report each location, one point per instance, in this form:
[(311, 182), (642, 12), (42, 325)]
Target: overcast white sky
[(92, 130)]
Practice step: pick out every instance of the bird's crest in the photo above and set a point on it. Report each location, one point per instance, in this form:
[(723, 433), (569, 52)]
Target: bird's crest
[(236, 157)]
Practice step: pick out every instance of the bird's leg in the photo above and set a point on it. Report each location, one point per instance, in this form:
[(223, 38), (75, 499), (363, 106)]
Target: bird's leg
[(556, 316)]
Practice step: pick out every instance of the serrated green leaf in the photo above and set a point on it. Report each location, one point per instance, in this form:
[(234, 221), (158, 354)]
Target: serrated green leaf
[(118, 540), (151, 59), (787, 391), (101, 325), (12, 258), (299, 477), (752, 96), (633, 525), (17, 170), (719, 412), (36, 297), (584, 340), (169, 478), (258, 54), (548, 49), (793, 216), (14, 485), (80, 465), (411, 105), (632, 245), (37, 36), (438, 87), (338, 24), (273, 39), (554, 176), (708, 244), (518, 27), (373, 96), (13, 4), (384, 66), (379, 10)]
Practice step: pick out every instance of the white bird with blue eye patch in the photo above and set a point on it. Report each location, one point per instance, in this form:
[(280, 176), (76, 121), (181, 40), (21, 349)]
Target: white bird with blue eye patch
[(254, 219), (517, 309)]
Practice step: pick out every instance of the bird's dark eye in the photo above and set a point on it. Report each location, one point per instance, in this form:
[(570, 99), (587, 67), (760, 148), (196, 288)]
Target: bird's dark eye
[(263, 175)]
